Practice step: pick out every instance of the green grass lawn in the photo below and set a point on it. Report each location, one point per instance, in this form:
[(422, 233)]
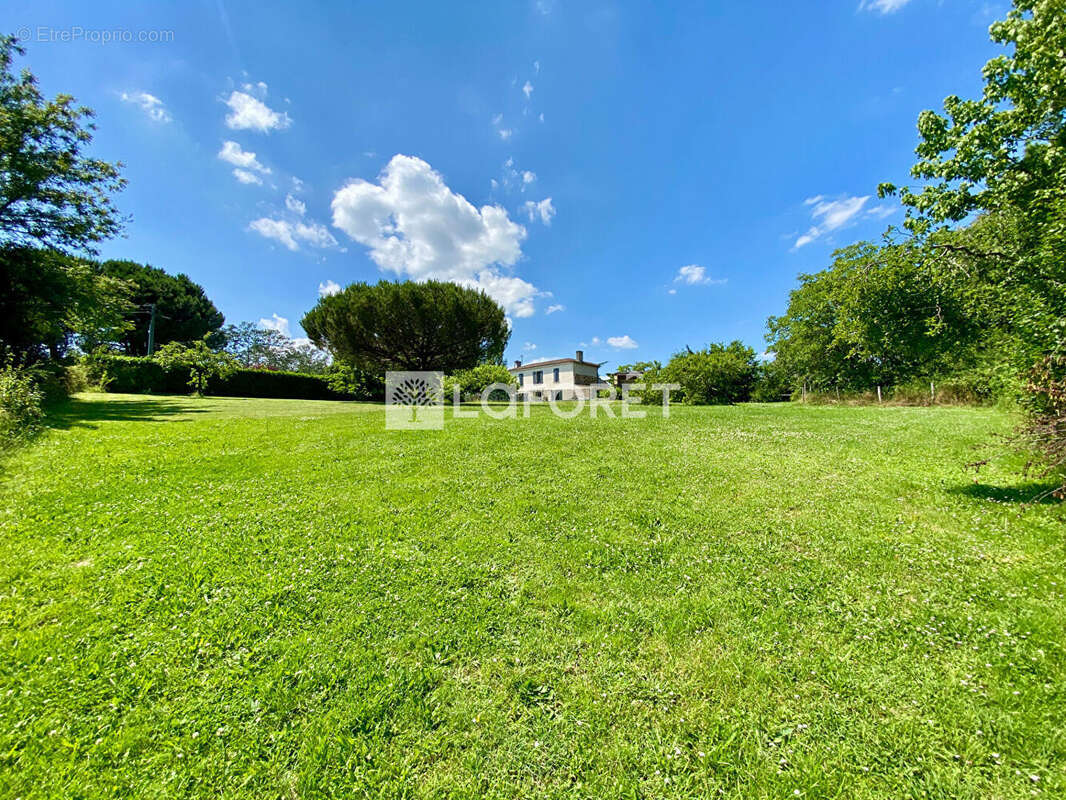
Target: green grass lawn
[(272, 598)]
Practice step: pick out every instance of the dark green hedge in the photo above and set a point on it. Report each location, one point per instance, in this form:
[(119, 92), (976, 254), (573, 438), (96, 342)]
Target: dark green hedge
[(136, 375)]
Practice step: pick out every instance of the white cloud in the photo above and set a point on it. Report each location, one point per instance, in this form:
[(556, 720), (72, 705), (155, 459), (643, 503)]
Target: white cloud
[(327, 288), (275, 323), (620, 342), (671, 291), (882, 6), (497, 123), (250, 113), (527, 90), (595, 339), (244, 176), (294, 205), (417, 227), (541, 117), (291, 234), (314, 234), (544, 209), (149, 104), (881, 212), (555, 307), (528, 177), (529, 346), (829, 215), (695, 275), (536, 67), (232, 153)]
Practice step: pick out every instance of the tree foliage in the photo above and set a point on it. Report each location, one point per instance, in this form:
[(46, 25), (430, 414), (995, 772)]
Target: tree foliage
[(409, 326), (472, 382), (202, 362), (184, 313), (49, 299), (720, 374), (257, 347), (51, 194)]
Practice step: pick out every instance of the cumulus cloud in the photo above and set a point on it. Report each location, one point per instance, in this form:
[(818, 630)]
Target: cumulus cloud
[(527, 90), (620, 342), (250, 113), (529, 346), (244, 176), (528, 177), (232, 153), (555, 307), (326, 288), (244, 162), (544, 210), (829, 215), (882, 6), (695, 275), (417, 227), (275, 323), (293, 234), (294, 205), (149, 104)]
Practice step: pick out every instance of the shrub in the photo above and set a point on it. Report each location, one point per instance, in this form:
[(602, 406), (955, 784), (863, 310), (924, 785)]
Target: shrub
[(141, 375), (771, 383), (203, 363), (720, 374), (1045, 430), (20, 404), (348, 381), (472, 382), (76, 379), (270, 383)]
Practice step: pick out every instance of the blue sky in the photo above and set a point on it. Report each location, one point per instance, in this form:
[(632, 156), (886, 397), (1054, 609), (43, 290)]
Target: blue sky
[(623, 176)]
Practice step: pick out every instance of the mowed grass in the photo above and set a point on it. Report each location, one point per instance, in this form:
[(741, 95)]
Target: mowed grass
[(268, 598)]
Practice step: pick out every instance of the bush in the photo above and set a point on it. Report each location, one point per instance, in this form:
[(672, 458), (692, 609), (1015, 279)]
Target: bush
[(720, 374), (20, 404), (203, 363), (771, 384), (1045, 430), (142, 375), (267, 383), (472, 382), (76, 379), (348, 381)]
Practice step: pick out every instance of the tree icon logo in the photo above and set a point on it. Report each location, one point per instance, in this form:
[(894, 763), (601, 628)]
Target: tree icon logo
[(414, 401)]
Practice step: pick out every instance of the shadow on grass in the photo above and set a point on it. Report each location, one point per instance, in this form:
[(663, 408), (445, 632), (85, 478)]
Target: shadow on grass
[(75, 413), (1023, 494)]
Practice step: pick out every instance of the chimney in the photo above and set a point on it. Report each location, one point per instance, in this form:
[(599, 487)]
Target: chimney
[(518, 362), (580, 355)]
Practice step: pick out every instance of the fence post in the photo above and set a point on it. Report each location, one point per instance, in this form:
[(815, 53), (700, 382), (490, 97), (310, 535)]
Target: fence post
[(878, 393), (932, 392)]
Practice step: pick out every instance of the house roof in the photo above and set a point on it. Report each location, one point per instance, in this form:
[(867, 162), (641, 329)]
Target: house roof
[(533, 364)]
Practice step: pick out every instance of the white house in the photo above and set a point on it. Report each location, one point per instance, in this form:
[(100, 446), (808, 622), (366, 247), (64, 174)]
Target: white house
[(557, 379)]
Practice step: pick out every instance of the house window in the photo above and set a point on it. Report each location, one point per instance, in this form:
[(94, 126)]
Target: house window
[(520, 377), (558, 395), (555, 374), (538, 376)]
